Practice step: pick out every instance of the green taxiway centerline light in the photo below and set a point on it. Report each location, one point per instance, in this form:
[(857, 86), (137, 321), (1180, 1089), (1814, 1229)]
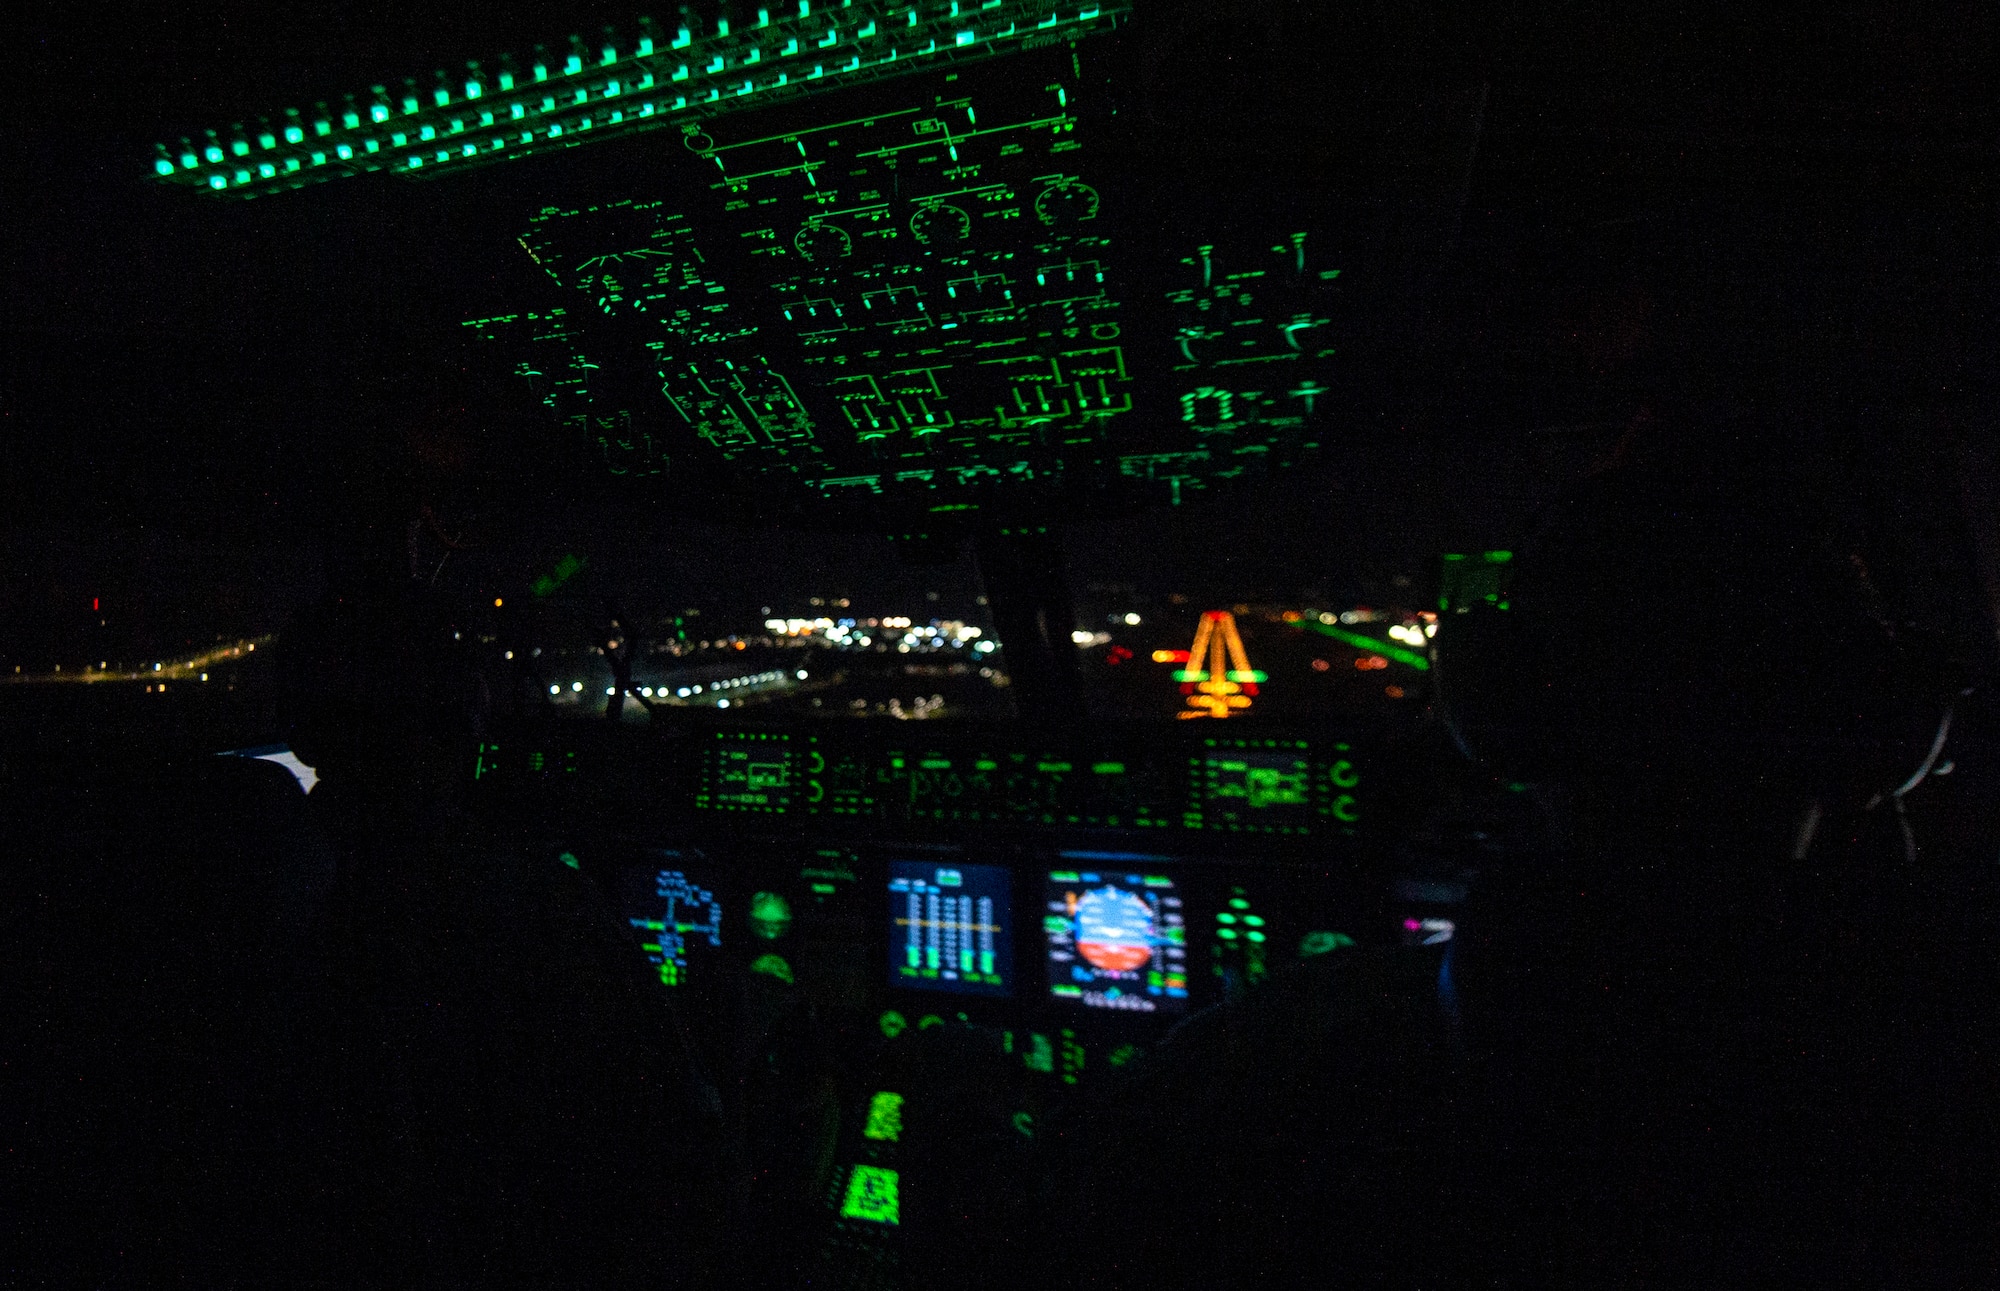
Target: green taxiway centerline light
[(626, 91), (1360, 642)]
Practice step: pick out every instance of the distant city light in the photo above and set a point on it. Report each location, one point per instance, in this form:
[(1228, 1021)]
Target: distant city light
[(576, 686), (1131, 620), (496, 602), (611, 690), (801, 674), (555, 690), (510, 654)]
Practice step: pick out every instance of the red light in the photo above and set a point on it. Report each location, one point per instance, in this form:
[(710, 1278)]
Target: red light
[(93, 605)]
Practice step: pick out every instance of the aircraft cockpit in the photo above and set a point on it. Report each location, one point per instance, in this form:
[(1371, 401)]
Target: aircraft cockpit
[(1000, 642)]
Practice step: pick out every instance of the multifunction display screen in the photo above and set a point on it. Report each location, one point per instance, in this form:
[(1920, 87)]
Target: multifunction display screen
[(1116, 940), (671, 912), (950, 928)]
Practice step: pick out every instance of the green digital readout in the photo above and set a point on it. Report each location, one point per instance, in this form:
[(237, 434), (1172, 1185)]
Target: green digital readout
[(885, 1118), (1254, 786), (1271, 785), (872, 1195), (749, 771)]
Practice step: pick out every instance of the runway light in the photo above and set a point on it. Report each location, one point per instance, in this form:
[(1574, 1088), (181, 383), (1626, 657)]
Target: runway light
[(555, 690), (576, 686), (801, 674), (1131, 620), (722, 703)]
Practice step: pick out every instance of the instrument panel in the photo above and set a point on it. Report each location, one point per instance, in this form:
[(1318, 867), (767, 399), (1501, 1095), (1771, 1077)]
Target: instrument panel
[(910, 955), (1282, 787)]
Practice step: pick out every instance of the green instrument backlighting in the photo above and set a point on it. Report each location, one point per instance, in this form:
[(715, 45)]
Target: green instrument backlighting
[(885, 1118), (1261, 785), (770, 915), (915, 297), (649, 83), (772, 966), (1466, 583), (1321, 943), (892, 1023), (750, 771), (871, 1195), (565, 569)]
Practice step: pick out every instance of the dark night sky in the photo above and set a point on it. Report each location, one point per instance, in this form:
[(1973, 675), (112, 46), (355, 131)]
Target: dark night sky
[(1678, 210)]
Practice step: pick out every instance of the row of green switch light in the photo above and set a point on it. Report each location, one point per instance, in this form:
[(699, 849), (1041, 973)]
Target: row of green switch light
[(1239, 909), (863, 32)]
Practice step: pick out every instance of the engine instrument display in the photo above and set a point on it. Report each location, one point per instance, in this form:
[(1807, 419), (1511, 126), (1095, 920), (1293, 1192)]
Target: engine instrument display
[(950, 928)]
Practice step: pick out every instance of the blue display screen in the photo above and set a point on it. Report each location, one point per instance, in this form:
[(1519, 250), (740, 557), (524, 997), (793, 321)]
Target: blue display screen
[(671, 913), (1116, 940), (950, 928)]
